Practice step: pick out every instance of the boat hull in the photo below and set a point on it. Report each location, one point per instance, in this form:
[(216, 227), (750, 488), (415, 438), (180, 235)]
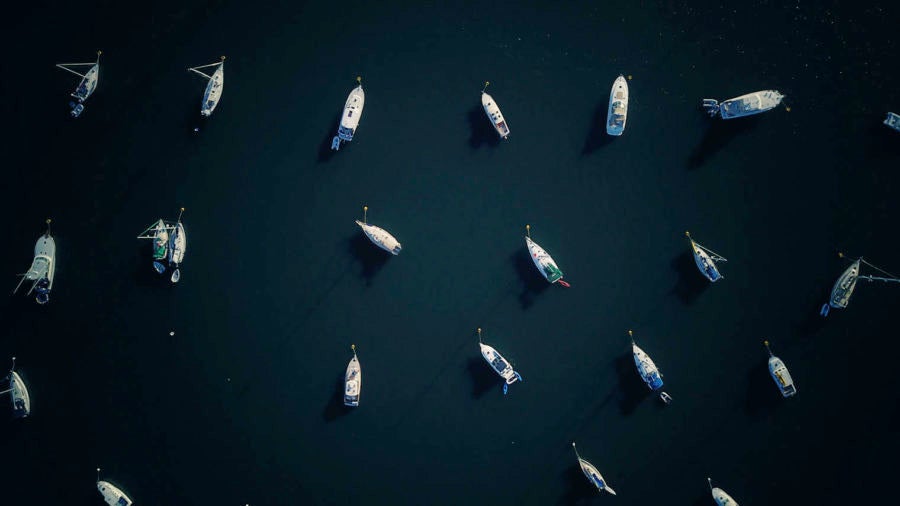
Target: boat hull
[(782, 377), (750, 104), (892, 121), (213, 93), (492, 110), (594, 476), (381, 238), (112, 495), (705, 263), (499, 364), (21, 400), (722, 498), (543, 261), (844, 286), (88, 84), (352, 383), (617, 113), (646, 368), (179, 245), (353, 110)]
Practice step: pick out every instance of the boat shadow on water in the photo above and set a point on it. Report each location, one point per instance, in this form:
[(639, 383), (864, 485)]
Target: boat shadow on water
[(335, 408), (632, 390), (762, 394), (370, 257), (533, 284), (484, 379), (718, 134), (325, 152), (480, 129), (578, 489), (691, 283), (597, 136)]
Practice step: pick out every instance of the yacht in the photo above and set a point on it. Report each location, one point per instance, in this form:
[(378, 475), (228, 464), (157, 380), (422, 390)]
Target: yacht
[(846, 283), (499, 364), (352, 381), (618, 107), (159, 234), (493, 113), (379, 236), (543, 261), (177, 248), (21, 401), (706, 259), (648, 370), (720, 496), (214, 86), (593, 475), (780, 374), (86, 86), (42, 269), (353, 110), (744, 105), (112, 495), (893, 121)]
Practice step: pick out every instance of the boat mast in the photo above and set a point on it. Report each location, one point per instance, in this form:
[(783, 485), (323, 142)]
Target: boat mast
[(179, 215), (576, 450), (715, 256), (65, 66), (708, 479), (486, 83), (766, 344), (890, 279), (98, 475), (479, 335), (194, 69)]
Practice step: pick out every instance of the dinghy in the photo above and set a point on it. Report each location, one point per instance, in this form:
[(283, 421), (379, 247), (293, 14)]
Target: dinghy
[(893, 121), (86, 86), (379, 236), (648, 370), (159, 234), (499, 364), (43, 268), (177, 248), (543, 261), (21, 401), (617, 113), (493, 113), (780, 374), (111, 494), (353, 110), (720, 496), (214, 86), (706, 259), (846, 283), (593, 475), (352, 381), (744, 105)]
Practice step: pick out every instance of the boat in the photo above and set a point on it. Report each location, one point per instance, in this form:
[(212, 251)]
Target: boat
[(720, 496), (706, 259), (177, 248), (543, 261), (43, 268), (379, 236), (493, 113), (214, 86), (112, 495), (846, 283), (499, 364), (21, 401), (618, 107), (352, 381), (893, 121), (86, 86), (593, 475), (780, 374), (648, 370), (353, 110), (744, 105), (159, 234)]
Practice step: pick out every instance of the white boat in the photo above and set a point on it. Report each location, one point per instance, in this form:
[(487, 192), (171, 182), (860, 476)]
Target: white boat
[(21, 401), (706, 259), (159, 234), (647, 369), (352, 381), (543, 261), (720, 496), (353, 110), (112, 495), (214, 86), (43, 268), (593, 475), (86, 86), (780, 374), (379, 236), (846, 283), (893, 121), (744, 105), (493, 113), (177, 248), (618, 107), (499, 364)]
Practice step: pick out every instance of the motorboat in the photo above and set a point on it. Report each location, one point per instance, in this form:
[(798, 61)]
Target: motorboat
[(21, 401), (744, 105), (720, 496), (499, 364), (112, 495), (647, 369), (543, 261), (780, 374), (177, 248), (214, 86), (846, 283), (43, 268), (379, 236), (493, 113), (86, 86), (352, 381), (893, 121), (617, 113), (593, 475), (353, 110), (706, 259), (159, 234)]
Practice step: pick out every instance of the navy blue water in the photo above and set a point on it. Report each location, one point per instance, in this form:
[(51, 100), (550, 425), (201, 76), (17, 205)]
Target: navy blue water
[(242, 405)]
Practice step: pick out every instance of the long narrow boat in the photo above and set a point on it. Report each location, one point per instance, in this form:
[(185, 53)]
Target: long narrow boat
[(720, 496), (647, 370), (780, 374), (706, 259), (846, 283), (112, 495), (177, 248), (43, 268), (159, 234), (543, 261), (593, 475), (214, 86), (493, 113), (617, 113), (379, 236), (892, 121), (744, 105), (353, 110), (499, 364), (352, 381), (86, 86), (21, 400)]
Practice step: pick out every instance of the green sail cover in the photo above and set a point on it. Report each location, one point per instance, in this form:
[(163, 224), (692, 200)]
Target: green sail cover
[(552, 272), (159, 251)]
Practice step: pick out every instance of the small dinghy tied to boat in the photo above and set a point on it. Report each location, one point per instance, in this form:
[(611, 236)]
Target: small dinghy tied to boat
[(846, 283), (706, 259), (543, 261), (744, 105), (353, 110), (352, 381), (111, 494), (21, 400), (86, 86), (593, 475), (720, 496), (493, 113), (379, 236), (648, 370), (499, 364), (43, 268), (159, 234), (780, 374), (214, 87)]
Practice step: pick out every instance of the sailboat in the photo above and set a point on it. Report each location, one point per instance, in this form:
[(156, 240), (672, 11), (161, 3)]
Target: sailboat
[(379, 236), (86, 86), (112, 495), (493, 113), (353, 110), (159, 234), (352, 381), (593, 475), (543, 261), (744, 105), (706, 259), (177, 248), (648, 370), (42, 269), (499, 364), (21, 401), (846, 283), (214, 86), (617, 113), (720, 496), (780, 374)]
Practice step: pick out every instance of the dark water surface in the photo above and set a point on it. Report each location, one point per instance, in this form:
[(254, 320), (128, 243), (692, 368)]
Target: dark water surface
[(242, 404)]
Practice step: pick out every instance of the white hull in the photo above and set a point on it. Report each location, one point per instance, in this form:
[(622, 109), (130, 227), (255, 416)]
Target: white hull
[(722, 498), (42, 270), (543, 261), (352, 383), (112, 495), (88, 84), (213, 92), (782, 377), (646, 368), (705, 263), (493, 113), (745, 105), (381, 238), (353, 110), (499, 364), (594, 476), (617, 114), (178, 245), (21, 400), (844, 286)]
